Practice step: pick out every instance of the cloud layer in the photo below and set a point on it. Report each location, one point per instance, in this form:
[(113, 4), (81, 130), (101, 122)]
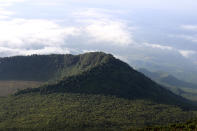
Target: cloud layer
[(26, 36)]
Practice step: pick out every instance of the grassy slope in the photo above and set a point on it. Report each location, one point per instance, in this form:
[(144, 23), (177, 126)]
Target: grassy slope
[(11, 87), (77, 111)]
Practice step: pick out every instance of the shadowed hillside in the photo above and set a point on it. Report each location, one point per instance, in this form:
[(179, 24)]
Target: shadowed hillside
[(22, 72), (47, 67), (110, 76)]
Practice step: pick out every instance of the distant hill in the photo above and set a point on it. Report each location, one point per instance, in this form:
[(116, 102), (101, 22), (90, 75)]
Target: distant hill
[(100, 73), (180, 87), (171, 80), (168, 79), (182, 69)]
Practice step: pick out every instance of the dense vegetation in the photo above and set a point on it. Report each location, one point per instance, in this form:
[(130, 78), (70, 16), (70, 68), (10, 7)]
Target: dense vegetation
[(188, 126), (63, 111)]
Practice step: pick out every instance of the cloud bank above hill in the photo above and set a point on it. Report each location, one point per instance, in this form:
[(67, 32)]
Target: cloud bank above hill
[(73, 27)]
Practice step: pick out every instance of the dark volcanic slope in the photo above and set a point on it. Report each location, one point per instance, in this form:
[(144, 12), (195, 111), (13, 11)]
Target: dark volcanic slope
[(110, 76)]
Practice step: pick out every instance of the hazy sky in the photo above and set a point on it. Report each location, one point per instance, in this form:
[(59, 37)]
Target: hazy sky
[(129, 29)]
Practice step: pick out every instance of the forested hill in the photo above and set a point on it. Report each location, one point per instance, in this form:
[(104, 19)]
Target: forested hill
[(99, 73), (92, 91), (48, 67)]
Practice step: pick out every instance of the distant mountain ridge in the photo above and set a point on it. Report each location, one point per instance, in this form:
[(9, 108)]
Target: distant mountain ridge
[(176, 82), (166, 78), (183, 70), (180, 87), (47, 67)]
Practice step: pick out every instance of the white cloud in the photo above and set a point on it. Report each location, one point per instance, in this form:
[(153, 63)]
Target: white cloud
[(5, 13), (85, 51), (39, 35), (123, 58), (101, 26), (33, 36), (184, 5), (46, 50), (158, 46), (189, 27), (23, 33), (187, 53), (112, 32), (92, 13), (9, 2), (192, 38)]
